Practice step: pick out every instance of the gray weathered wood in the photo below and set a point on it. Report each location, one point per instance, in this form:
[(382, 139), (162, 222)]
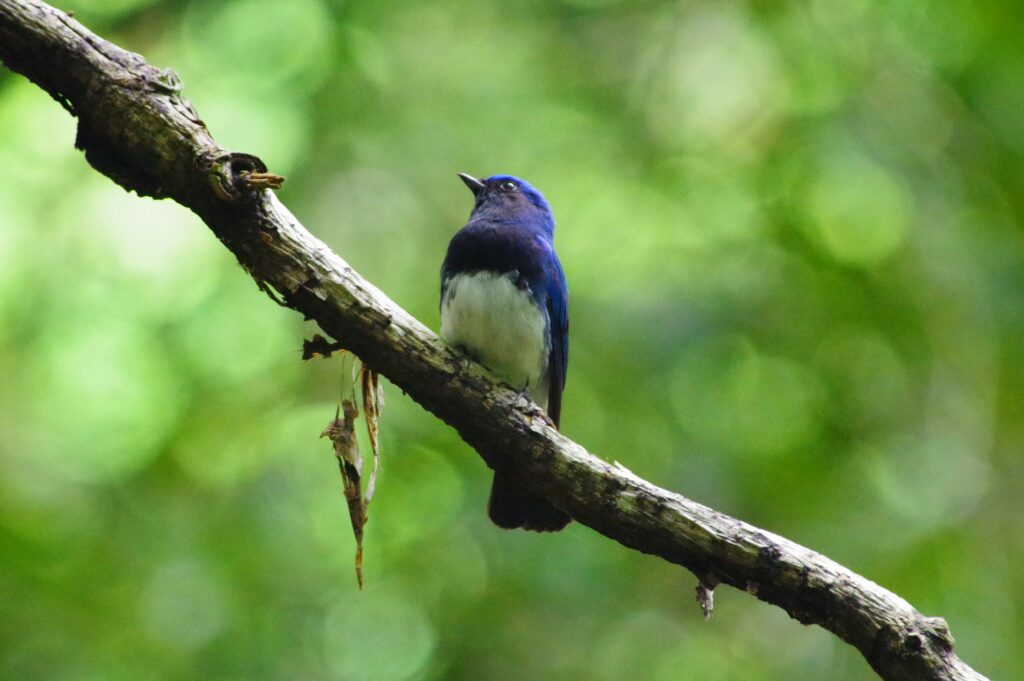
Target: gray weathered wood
[(135, 127)]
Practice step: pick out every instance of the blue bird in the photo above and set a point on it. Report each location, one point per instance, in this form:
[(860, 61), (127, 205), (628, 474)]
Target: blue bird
[(504, 301)]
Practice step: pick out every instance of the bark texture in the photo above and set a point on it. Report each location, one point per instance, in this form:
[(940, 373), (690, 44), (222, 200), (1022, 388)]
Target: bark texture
[(135, 127)]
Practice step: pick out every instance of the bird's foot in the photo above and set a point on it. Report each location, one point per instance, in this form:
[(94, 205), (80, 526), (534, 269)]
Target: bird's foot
[(514, 404)]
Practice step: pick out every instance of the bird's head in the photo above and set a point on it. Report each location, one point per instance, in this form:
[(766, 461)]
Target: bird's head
[(508, 197)]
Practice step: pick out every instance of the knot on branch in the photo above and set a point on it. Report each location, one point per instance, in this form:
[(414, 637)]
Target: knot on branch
[(925, 639), (937, 631), (234, 176), (163, 80)]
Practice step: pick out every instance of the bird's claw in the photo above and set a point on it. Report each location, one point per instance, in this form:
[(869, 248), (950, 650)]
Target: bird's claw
[(514, 404)]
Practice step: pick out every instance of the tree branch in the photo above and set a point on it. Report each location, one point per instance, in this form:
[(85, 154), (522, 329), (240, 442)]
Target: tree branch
[(135, 127)]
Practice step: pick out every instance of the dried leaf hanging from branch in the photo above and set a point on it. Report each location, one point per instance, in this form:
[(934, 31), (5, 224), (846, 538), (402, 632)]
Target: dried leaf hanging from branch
[(350, 462), (373, 400), (342, 434)]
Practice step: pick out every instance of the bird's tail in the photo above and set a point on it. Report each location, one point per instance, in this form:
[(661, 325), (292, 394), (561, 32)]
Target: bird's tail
[(511, 507)]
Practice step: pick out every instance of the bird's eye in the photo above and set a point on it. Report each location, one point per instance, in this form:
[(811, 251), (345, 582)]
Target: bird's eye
[(509, 186)]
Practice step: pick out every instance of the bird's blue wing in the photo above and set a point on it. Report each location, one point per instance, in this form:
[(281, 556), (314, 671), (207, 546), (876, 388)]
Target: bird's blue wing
[(558, 321)]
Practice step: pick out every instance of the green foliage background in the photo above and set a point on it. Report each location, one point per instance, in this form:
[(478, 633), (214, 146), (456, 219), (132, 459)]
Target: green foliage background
[(792, 232)]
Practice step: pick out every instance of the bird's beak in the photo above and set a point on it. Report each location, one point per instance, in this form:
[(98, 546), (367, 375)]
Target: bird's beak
[(475, 185)]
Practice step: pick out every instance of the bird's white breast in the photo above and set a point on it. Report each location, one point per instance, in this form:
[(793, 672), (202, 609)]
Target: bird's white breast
[(501, 326)]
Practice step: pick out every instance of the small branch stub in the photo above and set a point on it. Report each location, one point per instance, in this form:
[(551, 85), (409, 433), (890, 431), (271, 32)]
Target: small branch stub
[(235, 175), (706, 599), (318, 346), (257, 181)]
